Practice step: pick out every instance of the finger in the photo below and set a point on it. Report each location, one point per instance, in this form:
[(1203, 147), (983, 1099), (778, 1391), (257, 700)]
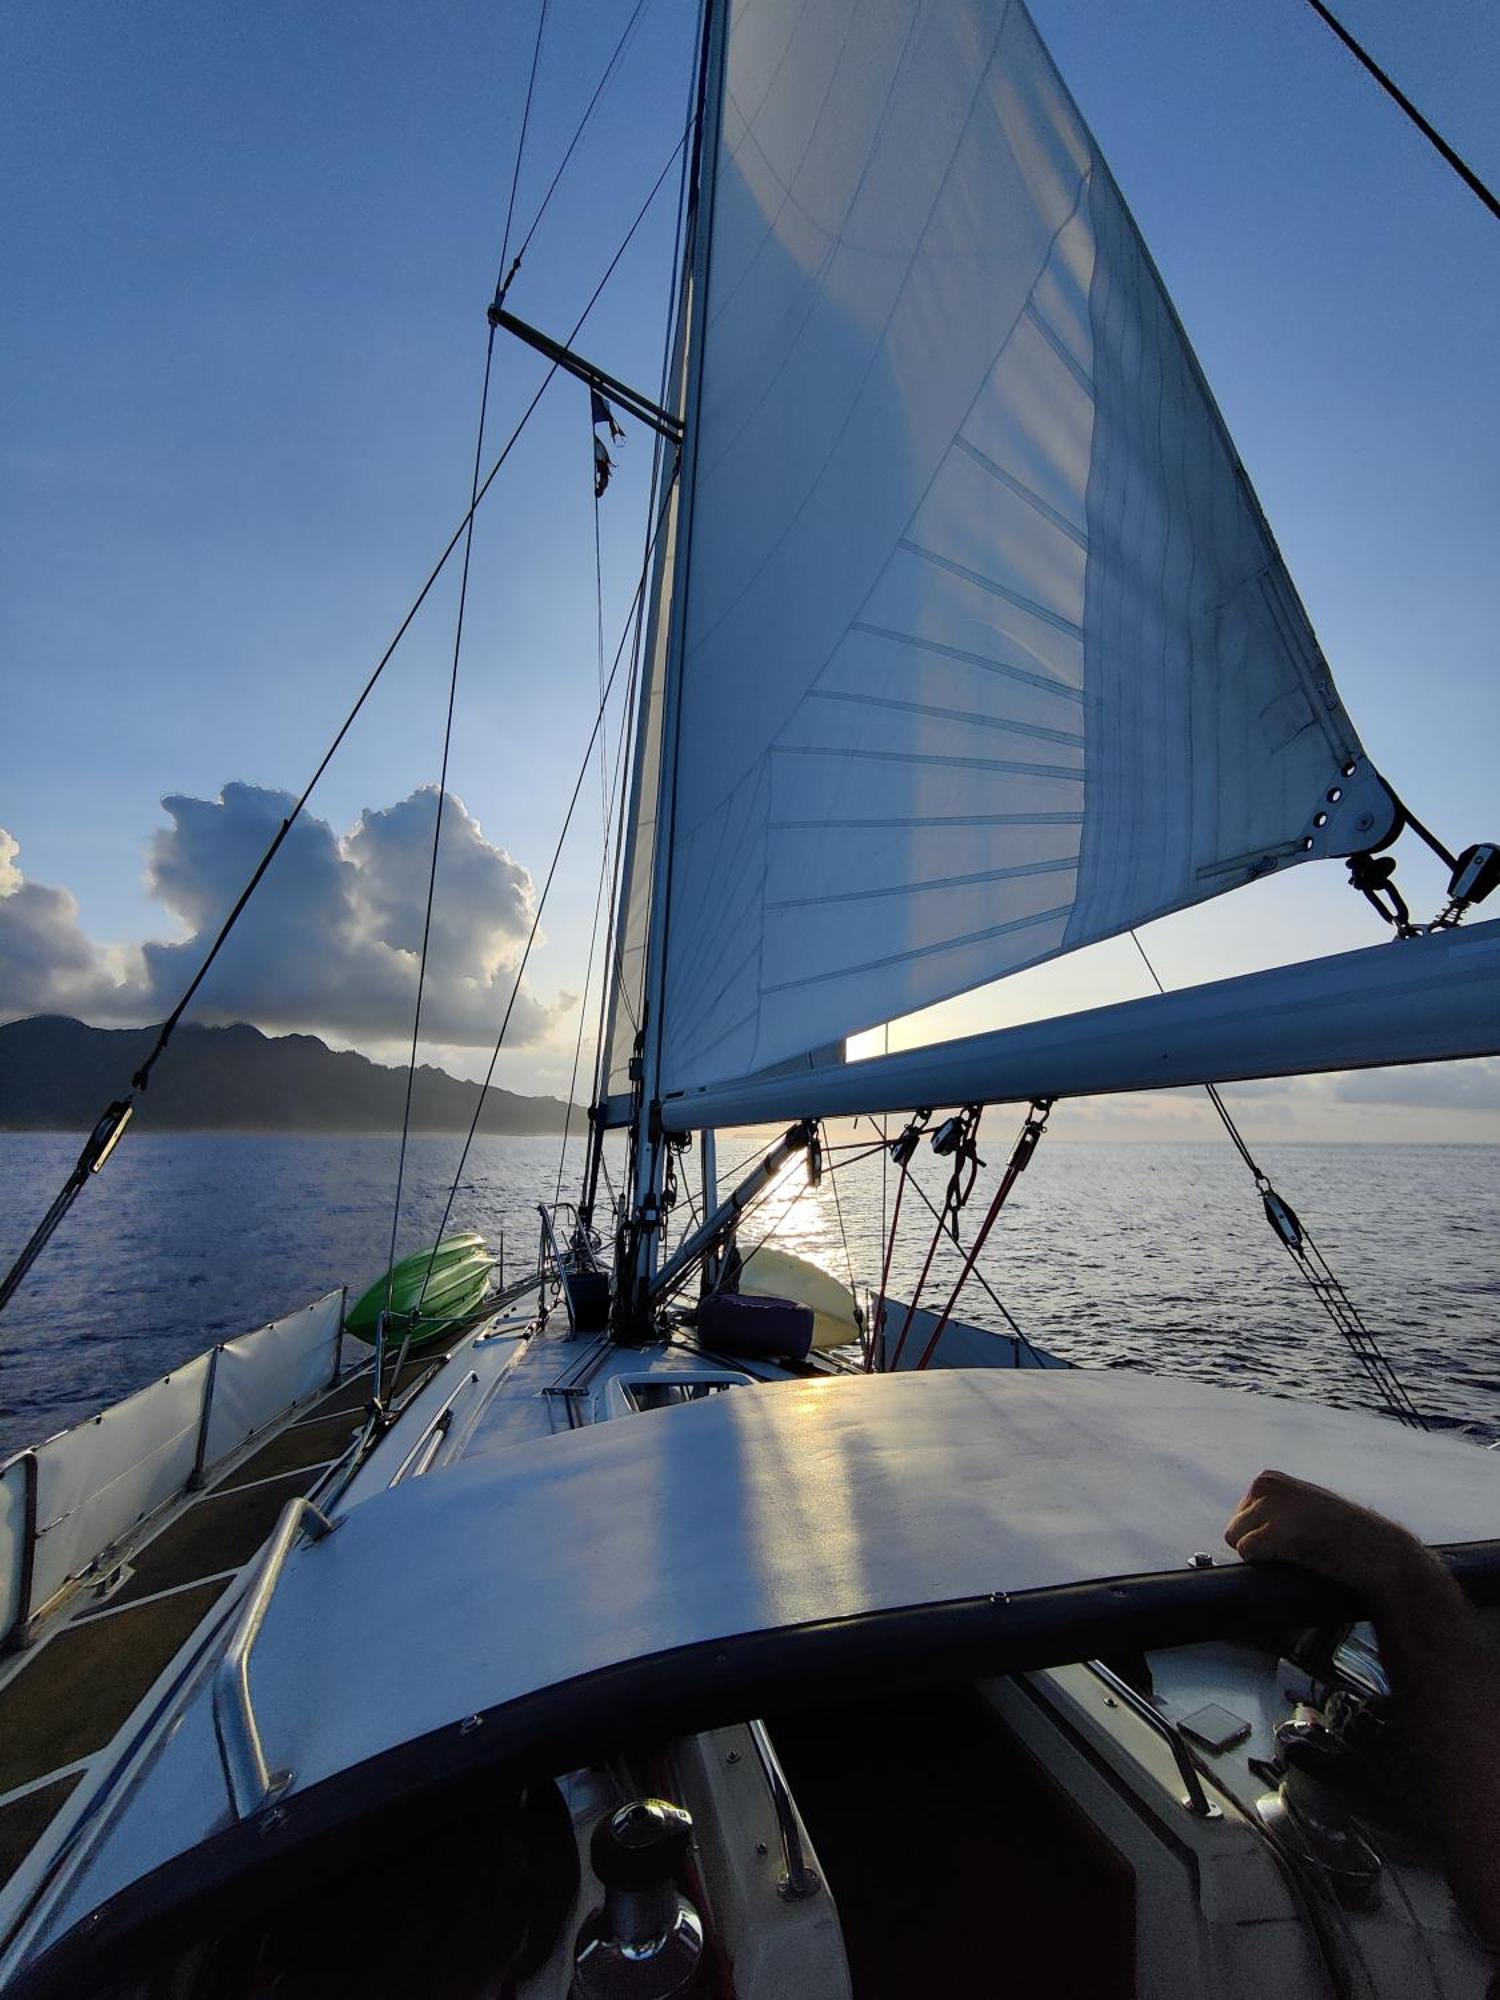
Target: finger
[(1258, 1545), (1250, 1514)]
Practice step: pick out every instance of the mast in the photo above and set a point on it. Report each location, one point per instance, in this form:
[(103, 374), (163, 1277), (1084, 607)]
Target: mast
[(646, 1135)]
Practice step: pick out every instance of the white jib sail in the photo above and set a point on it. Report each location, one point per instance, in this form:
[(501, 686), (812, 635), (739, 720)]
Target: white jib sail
[(988, 652)]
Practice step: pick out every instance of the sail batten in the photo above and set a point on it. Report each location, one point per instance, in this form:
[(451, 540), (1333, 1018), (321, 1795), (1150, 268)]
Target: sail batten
[(984, 649)]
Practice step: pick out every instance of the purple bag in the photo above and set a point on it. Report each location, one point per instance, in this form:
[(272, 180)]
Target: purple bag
[(739, 1323)]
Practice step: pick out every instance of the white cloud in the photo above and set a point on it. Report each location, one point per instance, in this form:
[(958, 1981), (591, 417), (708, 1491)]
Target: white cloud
[(10, 874), (329, 944)]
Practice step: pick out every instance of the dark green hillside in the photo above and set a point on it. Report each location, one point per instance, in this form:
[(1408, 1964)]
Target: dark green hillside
[(57, 1075)]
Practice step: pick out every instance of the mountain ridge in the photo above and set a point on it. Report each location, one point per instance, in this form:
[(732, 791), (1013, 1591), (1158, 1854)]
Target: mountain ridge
[(57, 1074)]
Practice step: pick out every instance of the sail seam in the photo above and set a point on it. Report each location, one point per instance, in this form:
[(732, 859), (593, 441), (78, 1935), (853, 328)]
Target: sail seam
[(1021, 602), (1062, 865), (1048, 683), (1072, 774), (970, 718), (923, 951), (927, 820), (1019, 487), (1058, 345), (732, 895)]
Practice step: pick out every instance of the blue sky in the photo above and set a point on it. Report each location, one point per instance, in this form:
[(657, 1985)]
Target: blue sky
[(248, 253)]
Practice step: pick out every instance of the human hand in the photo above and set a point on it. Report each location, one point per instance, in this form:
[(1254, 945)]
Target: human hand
[(1282, 1519)]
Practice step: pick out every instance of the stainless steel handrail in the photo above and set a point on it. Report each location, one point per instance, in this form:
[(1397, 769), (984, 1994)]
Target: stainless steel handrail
[(250, 1779), (433, 1432), (1197, 1800), (800, 1879)]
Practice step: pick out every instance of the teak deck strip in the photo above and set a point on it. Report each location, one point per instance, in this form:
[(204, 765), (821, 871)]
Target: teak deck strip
[(85, 1681), (78, 1686), (221, 1531), (312, 1442), (24, 1821)]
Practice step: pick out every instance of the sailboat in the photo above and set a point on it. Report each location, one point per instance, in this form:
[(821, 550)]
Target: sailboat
[(614, 1636)]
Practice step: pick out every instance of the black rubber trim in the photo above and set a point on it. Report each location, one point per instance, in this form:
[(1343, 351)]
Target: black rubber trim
[(390, 1799)]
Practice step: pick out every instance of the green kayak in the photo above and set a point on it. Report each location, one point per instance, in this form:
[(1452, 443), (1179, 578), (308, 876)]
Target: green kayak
[(429, 1293)]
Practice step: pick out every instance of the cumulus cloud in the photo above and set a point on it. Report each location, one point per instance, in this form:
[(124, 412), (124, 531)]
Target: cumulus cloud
[(329, 944), (47, 964)]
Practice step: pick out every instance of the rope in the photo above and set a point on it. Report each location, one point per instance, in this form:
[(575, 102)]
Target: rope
[(1020, 1160), (957, 1194), (982, 1281), (1429, 132), (1310, 1261), (885, 1164)]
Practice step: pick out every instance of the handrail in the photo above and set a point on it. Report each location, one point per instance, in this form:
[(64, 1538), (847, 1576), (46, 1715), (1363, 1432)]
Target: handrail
[(249, 1777), (1197, 1800), (433, 1432), (800, 1879)]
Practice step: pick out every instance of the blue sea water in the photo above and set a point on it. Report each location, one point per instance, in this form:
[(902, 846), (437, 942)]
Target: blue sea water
[(1114, 1255)]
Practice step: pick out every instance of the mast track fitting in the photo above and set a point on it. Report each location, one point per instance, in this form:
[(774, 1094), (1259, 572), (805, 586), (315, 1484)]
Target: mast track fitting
[(631, 401)]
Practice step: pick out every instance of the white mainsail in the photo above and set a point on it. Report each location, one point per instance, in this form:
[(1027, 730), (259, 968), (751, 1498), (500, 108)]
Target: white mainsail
[(987, 651)]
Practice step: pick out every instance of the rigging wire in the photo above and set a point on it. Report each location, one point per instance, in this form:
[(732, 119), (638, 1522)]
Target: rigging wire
[(442, 792), (1393, 90), (515, 179), (583, 769), (111, 1125), (795, 1195), (503, 279), (504, 283), (614, 983), (432, 867), (606, 795), (1324, 1284), (838, 1209)]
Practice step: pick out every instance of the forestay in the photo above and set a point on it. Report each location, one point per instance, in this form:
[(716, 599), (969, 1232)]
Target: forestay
[(987, 649)]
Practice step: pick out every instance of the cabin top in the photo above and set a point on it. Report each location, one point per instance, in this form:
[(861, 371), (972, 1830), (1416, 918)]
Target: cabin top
[(684, 1561)]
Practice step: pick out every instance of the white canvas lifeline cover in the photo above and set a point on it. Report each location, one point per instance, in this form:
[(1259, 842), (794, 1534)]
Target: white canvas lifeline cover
[(988, 651)]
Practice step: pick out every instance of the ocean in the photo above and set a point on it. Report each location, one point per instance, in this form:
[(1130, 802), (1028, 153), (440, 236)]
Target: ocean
[(1113, 1255)]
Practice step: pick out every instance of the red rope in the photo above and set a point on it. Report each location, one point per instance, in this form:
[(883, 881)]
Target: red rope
[(1020, 1159), (965, 1157)]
